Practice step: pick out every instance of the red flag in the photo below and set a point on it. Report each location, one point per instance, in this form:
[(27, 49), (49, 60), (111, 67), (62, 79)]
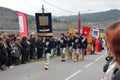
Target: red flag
[(86, 31), (22, 24)]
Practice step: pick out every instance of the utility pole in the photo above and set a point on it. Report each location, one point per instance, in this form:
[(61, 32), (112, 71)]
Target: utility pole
[(43, 9)]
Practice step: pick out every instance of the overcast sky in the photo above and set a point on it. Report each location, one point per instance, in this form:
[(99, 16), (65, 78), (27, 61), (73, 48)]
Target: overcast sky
[(61, 7)]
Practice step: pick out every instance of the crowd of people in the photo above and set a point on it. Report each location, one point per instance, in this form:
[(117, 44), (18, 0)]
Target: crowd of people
[(15, 51)]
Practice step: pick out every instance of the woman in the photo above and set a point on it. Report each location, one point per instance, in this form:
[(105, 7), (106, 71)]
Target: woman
[(7, 44), (33, 48), (25, 50), (39, 45), (3, 55), (113, 46), (16, 51)]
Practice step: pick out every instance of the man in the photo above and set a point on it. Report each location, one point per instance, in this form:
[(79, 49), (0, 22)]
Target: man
[(62, 47)]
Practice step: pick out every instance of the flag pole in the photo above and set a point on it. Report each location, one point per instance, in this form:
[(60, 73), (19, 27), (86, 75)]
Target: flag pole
[(79, 23)]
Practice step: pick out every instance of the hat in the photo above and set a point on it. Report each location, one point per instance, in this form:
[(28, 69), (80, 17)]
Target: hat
[(62, 34)]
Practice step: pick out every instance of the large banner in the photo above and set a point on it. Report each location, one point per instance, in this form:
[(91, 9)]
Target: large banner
[(86, 31), (22, 24), (95, 33), (44, 24)]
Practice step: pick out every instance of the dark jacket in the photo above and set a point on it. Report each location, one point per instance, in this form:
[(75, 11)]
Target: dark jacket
[(75, 43), (16, 52), (117, 75), (69, 42), (47, 47), (33, 44), (62, 43)]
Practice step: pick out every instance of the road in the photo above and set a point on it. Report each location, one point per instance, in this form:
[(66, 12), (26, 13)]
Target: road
[(88, 69)]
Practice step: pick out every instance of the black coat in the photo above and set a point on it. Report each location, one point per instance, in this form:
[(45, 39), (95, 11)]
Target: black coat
[(117, 75)]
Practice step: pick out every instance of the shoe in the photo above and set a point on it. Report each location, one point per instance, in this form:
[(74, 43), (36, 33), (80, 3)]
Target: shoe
[(46, 68), (3, 67), (11, 67), (63, 60)]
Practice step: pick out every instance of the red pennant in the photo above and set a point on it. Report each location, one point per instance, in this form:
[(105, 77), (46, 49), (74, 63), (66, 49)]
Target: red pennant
[(22, 24)]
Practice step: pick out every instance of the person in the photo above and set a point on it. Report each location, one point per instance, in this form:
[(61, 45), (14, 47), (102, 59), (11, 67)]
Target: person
[(3, 55), (113, 47), (39, 45), (16, 51), (47, 48), (82, 47), (25, 50), (75, 44), (33, 49), (97, 45), (69, 46), (93, 45), (7, 44), (89, 44), (62, 47), (101, 43)]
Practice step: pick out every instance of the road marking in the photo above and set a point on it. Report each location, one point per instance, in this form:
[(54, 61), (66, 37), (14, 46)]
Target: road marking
[(101, 56), (88, 65), (73, 75), (97, 59)]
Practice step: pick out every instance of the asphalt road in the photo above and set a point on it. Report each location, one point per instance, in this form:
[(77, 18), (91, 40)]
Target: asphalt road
[(88, 69)]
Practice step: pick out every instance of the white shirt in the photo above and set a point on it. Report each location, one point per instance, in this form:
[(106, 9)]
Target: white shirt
[(109, 74)]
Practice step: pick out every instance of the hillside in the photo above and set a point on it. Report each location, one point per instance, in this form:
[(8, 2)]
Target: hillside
[(9, 19), (94, 20), (93, 17)]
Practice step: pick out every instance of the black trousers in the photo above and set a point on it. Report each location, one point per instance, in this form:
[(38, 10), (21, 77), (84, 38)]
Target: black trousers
[(39, 53), (24, 57), (16, 60), (9, 62), (3, 60)]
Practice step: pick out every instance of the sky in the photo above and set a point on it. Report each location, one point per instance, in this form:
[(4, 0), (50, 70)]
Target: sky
[(61, 7)]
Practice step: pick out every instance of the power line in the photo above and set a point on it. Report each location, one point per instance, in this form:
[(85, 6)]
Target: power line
[(32, 6), (46, 11), (59, 7)]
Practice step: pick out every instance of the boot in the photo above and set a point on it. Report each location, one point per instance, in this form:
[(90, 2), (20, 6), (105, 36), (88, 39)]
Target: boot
[(75, 58), (62, 57), (3, 67), (81, 56), (70, 55), (46, 65)]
